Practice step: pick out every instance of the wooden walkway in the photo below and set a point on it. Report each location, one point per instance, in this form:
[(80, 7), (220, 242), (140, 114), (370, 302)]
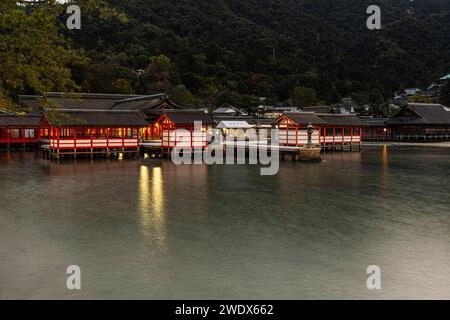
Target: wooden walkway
[(153, 149)]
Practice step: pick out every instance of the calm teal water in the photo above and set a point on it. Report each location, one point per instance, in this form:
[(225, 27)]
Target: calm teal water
[(148, 229)]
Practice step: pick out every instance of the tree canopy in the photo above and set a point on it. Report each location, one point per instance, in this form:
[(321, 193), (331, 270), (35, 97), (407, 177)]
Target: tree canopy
[(34, 56), (209, 52)]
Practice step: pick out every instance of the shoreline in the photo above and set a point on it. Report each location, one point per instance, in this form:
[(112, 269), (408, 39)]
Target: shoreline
[(410, 144)]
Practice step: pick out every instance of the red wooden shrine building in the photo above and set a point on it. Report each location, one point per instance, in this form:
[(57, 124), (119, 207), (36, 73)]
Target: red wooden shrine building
[(76, 132), (19, 131), (151, 108), (177, 128), (330, 130)]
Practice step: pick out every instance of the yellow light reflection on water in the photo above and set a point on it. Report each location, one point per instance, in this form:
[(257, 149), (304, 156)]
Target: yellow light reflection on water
[(144, 189), (385, 170), (157, 191), (385, 157), (151, 204)]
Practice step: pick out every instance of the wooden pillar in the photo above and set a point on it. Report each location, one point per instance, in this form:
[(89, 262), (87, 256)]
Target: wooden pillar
[(58, 137), (23, 137), (175, 139), (320, 136), (92, 142), (192, 138), (162, 142), (107, 143), (75, 143), (50, 140), (287, 134), (138, 140), (360, 137), (334, 138), (8, 137), (123, 140), (351, 138)]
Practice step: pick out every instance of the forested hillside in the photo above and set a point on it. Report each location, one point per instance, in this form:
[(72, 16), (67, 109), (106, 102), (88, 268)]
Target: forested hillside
[(299, 51)]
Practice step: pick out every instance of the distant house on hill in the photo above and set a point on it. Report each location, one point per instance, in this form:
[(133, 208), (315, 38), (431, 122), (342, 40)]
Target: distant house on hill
[(433, 90), (412, 91), (274, 112), (348, 106), (227, 110), (400, 100)]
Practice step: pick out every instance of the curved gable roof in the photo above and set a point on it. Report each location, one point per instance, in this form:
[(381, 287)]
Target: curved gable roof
[(304, 118), (422, 113)]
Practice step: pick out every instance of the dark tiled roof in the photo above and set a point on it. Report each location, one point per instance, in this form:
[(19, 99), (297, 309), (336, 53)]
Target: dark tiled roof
[(421, 114), (375, 122), (30, 102), (20, 121), (188, 116), (325, 119), (4, 112), (91, 101), (71, 101), (262, 121), (81, 103), (317, 109), (304, 118), (152, 113), (144, 103), (341, 120), (136, 104), (111, 96), (95, 118)]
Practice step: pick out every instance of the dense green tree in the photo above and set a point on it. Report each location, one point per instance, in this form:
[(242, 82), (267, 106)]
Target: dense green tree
[(122, 86), (305, 97), (34, 56), (183, 97), (160, 75)]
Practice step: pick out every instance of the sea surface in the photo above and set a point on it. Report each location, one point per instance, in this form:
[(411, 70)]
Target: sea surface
[(147, 229)]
